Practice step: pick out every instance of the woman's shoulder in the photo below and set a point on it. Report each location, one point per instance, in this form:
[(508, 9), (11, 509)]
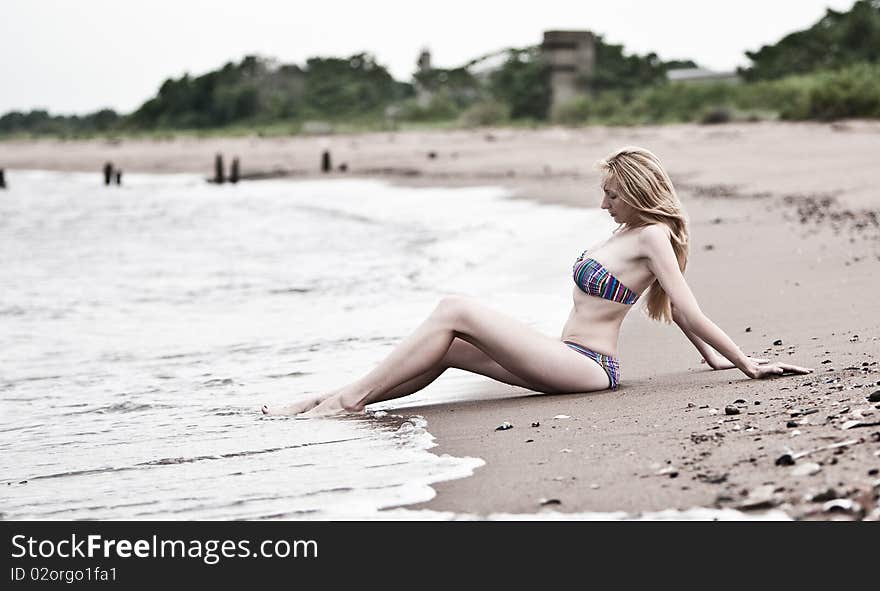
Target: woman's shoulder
[(653, 236), (654, 231)]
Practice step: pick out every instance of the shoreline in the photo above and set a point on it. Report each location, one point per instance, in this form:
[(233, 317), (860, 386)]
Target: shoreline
[(785, 242)]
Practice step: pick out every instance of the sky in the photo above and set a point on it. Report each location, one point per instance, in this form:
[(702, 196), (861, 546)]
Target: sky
[(78, 56)]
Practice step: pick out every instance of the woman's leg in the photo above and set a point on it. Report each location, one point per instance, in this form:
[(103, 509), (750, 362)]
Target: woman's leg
[(544, 363), (460, 355)]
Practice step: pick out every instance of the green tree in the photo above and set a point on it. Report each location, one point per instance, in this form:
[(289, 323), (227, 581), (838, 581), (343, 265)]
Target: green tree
[(523, 83), (838, 39)]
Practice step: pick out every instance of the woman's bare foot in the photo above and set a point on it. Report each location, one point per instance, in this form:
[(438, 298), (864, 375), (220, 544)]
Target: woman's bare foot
[(332, 405), (293, 409)]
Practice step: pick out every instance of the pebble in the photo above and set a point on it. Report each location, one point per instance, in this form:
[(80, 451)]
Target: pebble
[(842, 506), (874, 396), (777, 342), (748, 329), (806, 469), (504, 426), (731, 410), (562, 417), (826, 495), (536, 424), (760, 498), (785, 460), (549, 502)]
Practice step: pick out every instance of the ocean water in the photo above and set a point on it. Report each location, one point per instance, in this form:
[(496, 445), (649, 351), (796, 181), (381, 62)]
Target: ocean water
[(142, 326)]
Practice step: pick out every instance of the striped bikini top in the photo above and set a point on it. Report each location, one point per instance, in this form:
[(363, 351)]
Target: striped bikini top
[(595, 280)]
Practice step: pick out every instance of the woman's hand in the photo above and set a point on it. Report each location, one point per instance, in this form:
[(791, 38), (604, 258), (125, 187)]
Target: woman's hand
[(770, 370), (723, 363)]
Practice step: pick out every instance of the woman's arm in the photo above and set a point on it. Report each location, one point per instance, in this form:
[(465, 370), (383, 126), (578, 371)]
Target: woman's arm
[(655, 245), (711, 356)]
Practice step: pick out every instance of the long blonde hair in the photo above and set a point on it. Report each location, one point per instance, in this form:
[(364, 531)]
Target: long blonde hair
[(645, 186)]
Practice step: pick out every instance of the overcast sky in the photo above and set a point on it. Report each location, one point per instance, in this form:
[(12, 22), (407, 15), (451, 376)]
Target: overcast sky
[(76, 56)]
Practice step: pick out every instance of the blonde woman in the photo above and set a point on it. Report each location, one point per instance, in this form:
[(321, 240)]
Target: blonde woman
[(643, 259)]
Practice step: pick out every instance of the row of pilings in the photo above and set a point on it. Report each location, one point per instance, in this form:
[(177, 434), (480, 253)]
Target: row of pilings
[(113, 175)]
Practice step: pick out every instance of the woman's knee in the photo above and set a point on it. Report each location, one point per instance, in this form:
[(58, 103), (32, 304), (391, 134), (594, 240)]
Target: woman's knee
[(454, 309)]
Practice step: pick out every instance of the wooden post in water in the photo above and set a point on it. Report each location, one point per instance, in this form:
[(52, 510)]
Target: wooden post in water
[(118, 177), (326, 166), (218, 169), (108, 172), (234, 171), (2, 179)]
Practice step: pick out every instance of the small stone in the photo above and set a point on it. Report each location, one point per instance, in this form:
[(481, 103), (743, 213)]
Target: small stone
[(691, 405), (841, 506), (748, 329), (545, 502), (536, 424), (530, 440), (826, 361), (731, 410), (739, 401), (826, 495), (562, 417), (504, 426), (791, 424), (762, 497), (777, 342), (807, 469), (594, 486), (785, 460), (874, 396), (873, 472)]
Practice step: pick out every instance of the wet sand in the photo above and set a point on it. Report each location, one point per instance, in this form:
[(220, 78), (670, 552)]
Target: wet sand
[(785, 247)]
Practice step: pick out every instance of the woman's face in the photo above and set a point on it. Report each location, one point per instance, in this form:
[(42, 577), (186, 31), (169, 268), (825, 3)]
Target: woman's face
[(620, 211)]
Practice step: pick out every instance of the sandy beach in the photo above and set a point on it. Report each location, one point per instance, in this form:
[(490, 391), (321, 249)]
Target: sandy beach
[(785, 254)]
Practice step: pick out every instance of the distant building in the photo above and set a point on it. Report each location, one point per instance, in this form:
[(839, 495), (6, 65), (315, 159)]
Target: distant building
[(571, 57), (701, 75), (423, 95)]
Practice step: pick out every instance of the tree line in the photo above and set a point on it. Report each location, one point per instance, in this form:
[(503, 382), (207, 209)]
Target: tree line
[(624, 88)]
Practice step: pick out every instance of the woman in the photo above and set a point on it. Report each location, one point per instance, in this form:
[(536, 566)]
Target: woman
[(647, 253)]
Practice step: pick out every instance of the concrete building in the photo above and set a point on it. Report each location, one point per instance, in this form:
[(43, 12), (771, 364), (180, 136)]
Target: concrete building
[(571, 57), (423, 95)]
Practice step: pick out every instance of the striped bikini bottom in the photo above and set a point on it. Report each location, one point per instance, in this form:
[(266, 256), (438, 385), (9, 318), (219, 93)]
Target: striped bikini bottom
[(608, 363)]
